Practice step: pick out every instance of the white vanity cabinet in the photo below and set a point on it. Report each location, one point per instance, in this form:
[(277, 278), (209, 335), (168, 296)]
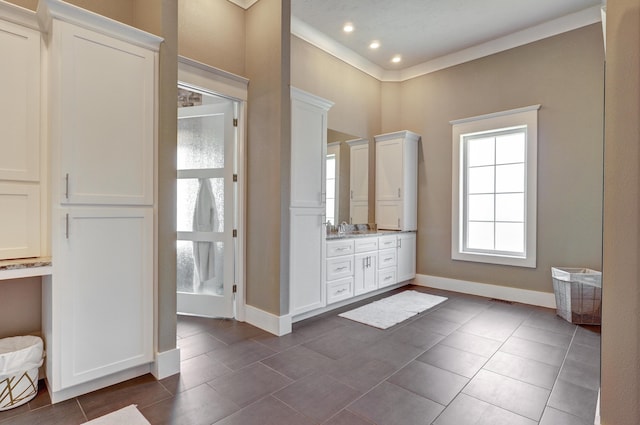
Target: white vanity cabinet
[(20, 186), (397, 180), (406, 256), (387, 260), (307, 204), (358, 181), (99, 302)]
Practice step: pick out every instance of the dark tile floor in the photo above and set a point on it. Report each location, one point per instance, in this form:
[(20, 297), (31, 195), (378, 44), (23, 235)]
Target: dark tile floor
[(469, 360)]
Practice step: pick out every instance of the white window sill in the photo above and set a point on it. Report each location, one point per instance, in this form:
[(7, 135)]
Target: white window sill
[(494, 259)]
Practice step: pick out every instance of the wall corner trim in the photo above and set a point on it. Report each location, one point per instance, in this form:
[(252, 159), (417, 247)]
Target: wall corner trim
[(525, 296), (277, 325), (167, 364)]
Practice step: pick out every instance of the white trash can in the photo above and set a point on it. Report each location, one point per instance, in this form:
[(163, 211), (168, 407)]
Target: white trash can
[(20, 358), (578, 294)]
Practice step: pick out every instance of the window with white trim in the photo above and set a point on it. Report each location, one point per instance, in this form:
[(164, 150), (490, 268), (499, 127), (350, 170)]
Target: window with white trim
[(494, 188)]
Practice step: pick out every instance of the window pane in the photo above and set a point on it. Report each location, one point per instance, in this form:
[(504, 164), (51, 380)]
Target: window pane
[(510, 237), (480, 180), (481, 208), (480, 151), (330, 209), (510, 207), (510, 178), (331, 166), (331, 188), (187, 194), (201, 142), (480, 235), (510, 148)]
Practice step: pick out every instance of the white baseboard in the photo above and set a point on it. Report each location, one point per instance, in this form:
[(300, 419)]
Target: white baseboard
[(277, 325), (167, 364), (525, 296)]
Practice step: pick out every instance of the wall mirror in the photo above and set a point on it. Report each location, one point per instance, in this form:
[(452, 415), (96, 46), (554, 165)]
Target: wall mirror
[(347, 178)]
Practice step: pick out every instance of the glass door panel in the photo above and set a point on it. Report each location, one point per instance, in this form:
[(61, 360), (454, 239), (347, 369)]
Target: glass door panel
[(205, 204)]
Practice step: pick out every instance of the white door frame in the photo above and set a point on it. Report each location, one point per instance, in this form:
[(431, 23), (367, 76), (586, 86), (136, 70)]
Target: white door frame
[(234, 87)]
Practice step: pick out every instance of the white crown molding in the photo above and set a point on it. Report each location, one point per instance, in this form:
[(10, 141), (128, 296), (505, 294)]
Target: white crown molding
[(557, 26), (320, 40), (245, 4), (18, 15)]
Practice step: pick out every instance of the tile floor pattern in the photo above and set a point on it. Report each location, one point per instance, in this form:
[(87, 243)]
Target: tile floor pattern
[(470, 360)]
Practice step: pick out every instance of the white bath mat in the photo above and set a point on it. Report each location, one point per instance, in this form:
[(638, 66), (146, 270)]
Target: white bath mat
[(129, 415), (388, 311)]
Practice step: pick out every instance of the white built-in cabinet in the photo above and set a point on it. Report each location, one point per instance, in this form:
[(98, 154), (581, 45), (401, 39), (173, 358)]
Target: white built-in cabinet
[(307, 203), (397, 180), (366, 265), (358, 181), (99, 302), (20, 138), (406, 256)]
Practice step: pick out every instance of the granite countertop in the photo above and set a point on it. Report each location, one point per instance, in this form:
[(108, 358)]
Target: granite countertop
[(364, 233), (25, 263)]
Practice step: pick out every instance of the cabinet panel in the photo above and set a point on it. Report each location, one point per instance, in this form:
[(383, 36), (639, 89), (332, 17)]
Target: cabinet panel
[(359, 172), (388, 215), (406, 256), (338, 267), (103, 292), (20, 108), (308, 152), (338, 290), (388, 241), (387, 277), (359, 212), (105, 126), (387, 258), (388, 175), (339, 247), (366, 244), (19, 220), (365, 272), (306, 267)]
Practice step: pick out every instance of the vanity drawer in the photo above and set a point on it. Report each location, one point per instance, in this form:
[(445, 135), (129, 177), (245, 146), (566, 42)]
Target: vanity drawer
[(387, 258), (386, 277), (366, 244), (339, 247), (340, 289), (388, 241), (338, 267)]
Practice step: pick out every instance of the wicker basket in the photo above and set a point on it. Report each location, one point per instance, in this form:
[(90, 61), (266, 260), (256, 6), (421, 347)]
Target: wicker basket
[(20, 358), (578, 294)]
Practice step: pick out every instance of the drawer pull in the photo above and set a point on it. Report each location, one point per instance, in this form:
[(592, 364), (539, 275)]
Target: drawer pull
[(342, 248), (388, 259), (388, 278), (340, 291), (341, 268)]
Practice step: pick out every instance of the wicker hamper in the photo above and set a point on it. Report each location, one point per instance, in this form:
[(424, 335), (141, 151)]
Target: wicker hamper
[(578, 294), (20, 358)]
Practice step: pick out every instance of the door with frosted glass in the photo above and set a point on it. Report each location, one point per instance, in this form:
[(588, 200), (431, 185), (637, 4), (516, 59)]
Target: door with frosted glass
[(205, 203)]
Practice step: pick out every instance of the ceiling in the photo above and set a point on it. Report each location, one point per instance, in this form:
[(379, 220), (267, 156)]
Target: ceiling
[(431, 34)]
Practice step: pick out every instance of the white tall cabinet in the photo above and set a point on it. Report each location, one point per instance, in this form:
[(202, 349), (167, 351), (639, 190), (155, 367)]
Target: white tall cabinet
[(307, 204), (20, 179), (397, 180), (99, 302), (358, 181)]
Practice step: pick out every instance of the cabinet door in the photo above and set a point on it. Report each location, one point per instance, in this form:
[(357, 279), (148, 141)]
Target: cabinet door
[(388, 215), (389, 171), (306, 261), (359, 212), (359, 173), (103, 117), (365, 272), (20, 108), (406, 256), (308, 154), (103, 292), (19, 220)]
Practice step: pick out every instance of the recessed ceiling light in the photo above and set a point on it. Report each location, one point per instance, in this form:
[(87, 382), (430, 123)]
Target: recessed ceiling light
[(348, 27), (374, 44), (396, 59)]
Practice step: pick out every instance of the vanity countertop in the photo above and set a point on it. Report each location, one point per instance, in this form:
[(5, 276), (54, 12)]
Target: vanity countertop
[(364, 234), (25, 267)]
